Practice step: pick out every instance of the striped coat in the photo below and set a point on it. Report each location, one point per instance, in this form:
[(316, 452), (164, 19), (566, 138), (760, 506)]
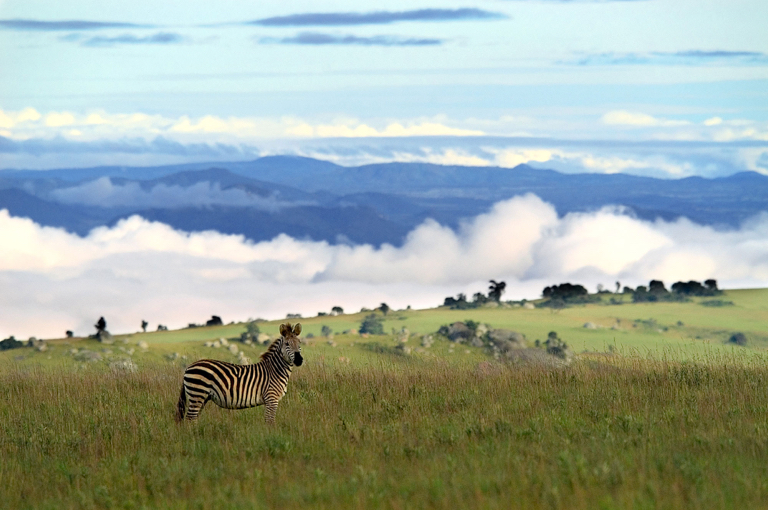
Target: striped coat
[(240, 386)]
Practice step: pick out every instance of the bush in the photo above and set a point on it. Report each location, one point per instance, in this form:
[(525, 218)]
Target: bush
[(372, 324), (716, 303), (738, 339)]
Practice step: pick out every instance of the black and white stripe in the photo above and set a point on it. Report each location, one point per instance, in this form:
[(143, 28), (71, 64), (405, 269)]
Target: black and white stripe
[(241, 386)]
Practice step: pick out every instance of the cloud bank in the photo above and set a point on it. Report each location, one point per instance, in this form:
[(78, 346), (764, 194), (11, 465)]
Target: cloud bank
[(670, 58), (47, 26), (103, 193), (375, 18), (140, 270), (318, 39), (130, 39)]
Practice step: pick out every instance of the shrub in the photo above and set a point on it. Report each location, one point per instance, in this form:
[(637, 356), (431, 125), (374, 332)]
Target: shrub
[(372, 324), (738, 339), (717, 303)]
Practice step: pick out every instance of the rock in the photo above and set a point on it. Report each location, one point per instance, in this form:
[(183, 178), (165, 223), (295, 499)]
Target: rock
[(481, 330), (590, 325), (104, 337), (233, 349), (505, 337), (86, 355), (529, 306), (223, 341), (143, 345), (208, 344), (331, 343), (37, 345), (125, 365), (263, 338), (491, 304), (533, 356), (476, 342), (403, 349), (459, 332)]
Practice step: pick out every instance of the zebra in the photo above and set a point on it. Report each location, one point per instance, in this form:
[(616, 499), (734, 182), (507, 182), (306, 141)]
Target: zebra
[(241, 386)]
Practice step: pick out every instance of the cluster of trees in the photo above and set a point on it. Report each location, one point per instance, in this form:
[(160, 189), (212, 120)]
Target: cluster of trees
[(564, 291), (495, 290), (656, 291), (559, 296)]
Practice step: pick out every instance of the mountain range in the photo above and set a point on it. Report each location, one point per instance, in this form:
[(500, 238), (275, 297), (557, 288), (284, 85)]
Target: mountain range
[(380, 203)]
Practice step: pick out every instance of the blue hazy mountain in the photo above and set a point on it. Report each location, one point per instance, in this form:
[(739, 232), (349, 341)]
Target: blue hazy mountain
[(312, 199)]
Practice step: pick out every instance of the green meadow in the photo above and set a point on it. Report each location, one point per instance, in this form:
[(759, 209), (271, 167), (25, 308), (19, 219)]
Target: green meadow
[(656, 410)]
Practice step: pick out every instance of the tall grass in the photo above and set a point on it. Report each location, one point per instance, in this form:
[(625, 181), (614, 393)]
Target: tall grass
[(618, 432)]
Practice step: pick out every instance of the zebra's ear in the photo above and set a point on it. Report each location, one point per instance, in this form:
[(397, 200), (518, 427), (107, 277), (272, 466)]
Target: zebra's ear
[(285, 329), (297, 329)]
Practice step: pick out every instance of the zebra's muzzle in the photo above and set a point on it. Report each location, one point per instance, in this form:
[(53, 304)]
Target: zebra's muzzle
[(297, 359)]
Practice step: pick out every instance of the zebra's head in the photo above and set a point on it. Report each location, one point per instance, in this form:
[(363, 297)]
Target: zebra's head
[(291, 349)]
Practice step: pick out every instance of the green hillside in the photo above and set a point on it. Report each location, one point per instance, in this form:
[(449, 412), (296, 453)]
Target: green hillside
[(681, 330)]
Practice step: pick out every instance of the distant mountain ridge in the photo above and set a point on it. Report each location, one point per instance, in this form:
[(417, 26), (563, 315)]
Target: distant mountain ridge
[(371, 203)]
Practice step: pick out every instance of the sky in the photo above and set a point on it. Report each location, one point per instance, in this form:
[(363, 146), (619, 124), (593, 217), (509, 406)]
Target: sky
[(661, 88), (556, 82)]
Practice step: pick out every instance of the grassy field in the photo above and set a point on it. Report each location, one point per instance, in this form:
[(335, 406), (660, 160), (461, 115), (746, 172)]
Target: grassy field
[(674, 418), (401, 433)]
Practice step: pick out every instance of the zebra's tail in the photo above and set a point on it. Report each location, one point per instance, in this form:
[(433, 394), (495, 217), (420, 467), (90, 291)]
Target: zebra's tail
[(181, 407)]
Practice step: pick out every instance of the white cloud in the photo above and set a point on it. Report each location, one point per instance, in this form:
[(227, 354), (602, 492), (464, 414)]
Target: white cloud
[(626, 118), (103, 193), (11, 119), (143, 270), (360, 130)]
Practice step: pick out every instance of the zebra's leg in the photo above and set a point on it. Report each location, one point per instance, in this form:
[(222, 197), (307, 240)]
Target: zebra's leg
[(194, 406), (269, 412)]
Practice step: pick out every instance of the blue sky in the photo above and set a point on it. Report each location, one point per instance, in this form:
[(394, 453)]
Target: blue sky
[(267, 77)]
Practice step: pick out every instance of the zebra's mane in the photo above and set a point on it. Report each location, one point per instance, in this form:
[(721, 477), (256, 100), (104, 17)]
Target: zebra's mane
[(272, 349)]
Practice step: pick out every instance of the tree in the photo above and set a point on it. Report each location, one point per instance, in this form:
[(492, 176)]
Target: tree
[(711, 284), (252, 329), (384, 308), (618, 286), (337, 310), (144, 325), (372, 325), (565, 291), (215, 320), (101, 325), (496, 289), (70, 334), (657, 286)]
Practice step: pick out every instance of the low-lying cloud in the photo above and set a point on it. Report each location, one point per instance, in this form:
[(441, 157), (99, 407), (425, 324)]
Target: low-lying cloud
[(52, 26), (130, 39), (103, 192), (375, 18), (141, 270), (686, 57), (318, 39)]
